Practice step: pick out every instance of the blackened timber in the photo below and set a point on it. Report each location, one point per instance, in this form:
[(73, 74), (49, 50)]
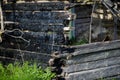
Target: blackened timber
[(93, 64), (36, 6), (31, 47), (35, 41), (101, 46), (83, 11), (27, 35), (37, 27), (41, 28), (43, 22), (28, 55), (39, 14), (83, 15), (90, 52), (95, 73), (40, 47), (82, 21), (93, 57)]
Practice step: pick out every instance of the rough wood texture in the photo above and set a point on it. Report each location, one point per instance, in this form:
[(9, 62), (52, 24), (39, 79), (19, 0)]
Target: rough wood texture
[(93, 61), (96, 47), (93, 56), (36, 41), (36, 20), (41, 24), (93, 64), (95, 51), (41, 28), (37, 14), (44, 22), (17, 55), (96, 73), (35, 6)]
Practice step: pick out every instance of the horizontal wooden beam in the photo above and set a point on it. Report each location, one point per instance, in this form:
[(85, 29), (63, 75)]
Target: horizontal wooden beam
[(95, 73), (31, 41), (101, 46), (35, 6), (43, 22), (41, 28), (92, 65), (38, 15), (93, 57), (9, 22), (27, 55)]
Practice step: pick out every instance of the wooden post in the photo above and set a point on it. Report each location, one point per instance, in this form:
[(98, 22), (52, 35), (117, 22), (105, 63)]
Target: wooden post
[(1, 18), (91, 22), (115, 27)]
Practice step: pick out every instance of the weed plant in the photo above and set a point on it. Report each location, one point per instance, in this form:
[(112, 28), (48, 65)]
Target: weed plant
[(24, 72)]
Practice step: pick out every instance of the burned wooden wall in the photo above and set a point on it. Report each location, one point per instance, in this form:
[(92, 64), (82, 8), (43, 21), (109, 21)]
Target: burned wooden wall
[(35, 27), (93, 62)]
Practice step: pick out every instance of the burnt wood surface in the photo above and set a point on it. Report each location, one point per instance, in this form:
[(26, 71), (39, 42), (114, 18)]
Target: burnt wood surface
[(35, 6), (93, 61), (38, 28)]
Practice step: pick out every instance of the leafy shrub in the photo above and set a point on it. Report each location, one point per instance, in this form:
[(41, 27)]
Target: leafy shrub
[(25, 72)]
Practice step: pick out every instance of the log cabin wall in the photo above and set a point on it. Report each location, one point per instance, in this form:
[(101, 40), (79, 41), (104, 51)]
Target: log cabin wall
[(94, 61), (35, 27)]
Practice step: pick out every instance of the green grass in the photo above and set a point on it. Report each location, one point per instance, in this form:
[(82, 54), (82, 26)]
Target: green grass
[(25, 72)]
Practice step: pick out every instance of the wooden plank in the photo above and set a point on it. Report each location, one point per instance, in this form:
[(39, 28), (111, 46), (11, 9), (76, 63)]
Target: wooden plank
[(39, 1), (9, 22), (37, 27), (43, 22), (82, 26), (27, 55), (81, 21), (35, 6), (94, 51), (93, 56), (41, 28), (83, 12), (82, 16), (36, 47), (38, 14), (28, 35), (95, 73), (82, 8), (92, 65), (96, 47), (37, 42)]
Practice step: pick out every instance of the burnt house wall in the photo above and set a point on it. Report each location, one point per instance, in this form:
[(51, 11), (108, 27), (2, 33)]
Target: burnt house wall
[(36, 27)]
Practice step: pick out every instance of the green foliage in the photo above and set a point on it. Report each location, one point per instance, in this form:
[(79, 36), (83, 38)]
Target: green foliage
[(25, 72)]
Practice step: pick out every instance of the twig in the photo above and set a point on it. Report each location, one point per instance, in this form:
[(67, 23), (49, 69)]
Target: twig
[(17, 37), (91, 22)]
